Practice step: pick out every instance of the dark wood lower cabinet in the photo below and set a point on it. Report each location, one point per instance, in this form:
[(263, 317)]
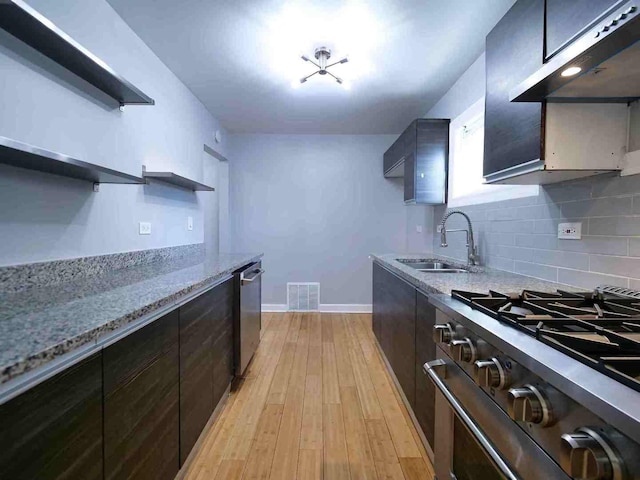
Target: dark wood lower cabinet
[(395, 316), (141, 403), (54, 430), (403, 321), (196, 369), (425, 351), (223, 339)]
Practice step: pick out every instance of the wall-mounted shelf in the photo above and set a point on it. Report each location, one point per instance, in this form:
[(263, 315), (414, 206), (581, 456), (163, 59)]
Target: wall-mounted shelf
[(173, 179), (22, 155), (25, 23)]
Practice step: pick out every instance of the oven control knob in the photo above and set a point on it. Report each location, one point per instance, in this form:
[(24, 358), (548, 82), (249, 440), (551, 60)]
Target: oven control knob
[(586, 455), (443, 333), (491, 374), (463, 350), (528, 404)]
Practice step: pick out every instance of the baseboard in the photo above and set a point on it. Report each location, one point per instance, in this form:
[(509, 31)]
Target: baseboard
[(274, 307), (346, 307), (326, 307)]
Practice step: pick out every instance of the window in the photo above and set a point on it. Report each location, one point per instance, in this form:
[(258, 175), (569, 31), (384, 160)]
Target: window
[(466, 183)]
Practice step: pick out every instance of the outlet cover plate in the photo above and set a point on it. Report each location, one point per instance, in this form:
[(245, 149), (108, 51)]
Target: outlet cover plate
[(145, 228), (570, 231), (189, 223)]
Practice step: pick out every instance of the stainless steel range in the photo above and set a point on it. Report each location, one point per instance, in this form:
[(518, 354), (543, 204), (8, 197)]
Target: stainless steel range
[(537, 385)]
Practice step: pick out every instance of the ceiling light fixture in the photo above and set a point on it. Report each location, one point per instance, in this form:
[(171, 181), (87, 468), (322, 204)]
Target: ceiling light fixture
[(571, 71), (323, 54)]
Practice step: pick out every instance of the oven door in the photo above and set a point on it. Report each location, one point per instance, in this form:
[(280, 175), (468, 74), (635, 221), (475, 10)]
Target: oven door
[(474, 437)]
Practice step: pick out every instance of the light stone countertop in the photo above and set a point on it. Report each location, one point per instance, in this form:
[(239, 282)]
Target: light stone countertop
[(480, 279), (41, 323)]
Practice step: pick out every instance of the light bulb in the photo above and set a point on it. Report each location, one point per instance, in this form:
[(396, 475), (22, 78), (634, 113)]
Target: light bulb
[(571, 71)]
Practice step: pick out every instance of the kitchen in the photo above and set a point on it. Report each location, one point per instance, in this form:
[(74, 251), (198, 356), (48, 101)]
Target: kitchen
[(252, 241)]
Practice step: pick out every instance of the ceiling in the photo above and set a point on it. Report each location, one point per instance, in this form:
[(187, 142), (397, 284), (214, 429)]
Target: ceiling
[(240, 57)]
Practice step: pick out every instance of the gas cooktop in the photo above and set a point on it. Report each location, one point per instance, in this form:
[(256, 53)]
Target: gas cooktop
[(599, 328)]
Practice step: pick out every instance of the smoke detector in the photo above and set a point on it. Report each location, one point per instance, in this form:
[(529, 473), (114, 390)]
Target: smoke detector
[(322, 55)]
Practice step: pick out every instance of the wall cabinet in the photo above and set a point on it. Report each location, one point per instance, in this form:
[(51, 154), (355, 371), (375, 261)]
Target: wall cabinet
[(141, 403), (513, 131), (421, 156), (54, 430)]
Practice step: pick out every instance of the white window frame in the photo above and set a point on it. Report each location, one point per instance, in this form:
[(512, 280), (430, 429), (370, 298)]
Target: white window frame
[(488, 193)]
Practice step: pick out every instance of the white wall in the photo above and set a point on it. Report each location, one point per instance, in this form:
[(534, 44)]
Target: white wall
[(46, 217), (317, 205)]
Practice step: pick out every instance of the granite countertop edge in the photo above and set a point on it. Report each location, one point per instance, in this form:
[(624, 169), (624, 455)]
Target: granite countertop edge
[(96, 334)]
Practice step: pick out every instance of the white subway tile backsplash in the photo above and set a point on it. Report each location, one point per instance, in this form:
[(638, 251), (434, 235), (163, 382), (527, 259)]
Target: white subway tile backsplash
[(521, 235)]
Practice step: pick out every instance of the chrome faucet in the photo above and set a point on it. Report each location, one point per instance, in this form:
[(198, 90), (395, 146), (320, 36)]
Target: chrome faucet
[(472, 253)]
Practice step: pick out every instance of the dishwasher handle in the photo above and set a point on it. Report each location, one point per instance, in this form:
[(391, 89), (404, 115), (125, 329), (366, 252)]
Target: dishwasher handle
[(251, 275)]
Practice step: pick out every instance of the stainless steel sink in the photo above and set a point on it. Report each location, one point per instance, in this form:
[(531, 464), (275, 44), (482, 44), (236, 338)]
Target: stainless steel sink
[(431, 266)]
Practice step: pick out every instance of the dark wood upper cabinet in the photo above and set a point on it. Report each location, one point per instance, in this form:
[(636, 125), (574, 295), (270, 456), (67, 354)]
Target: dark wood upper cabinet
[(54, 430), (141, 403), (514, 50), (421, 156), (565, 21), (425, 352)]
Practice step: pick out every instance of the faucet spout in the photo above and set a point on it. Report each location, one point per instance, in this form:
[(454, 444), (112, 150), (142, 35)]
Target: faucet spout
[(472, 254)]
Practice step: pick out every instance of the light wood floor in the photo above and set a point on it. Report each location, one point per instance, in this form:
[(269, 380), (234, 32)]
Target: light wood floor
[(316, 402)]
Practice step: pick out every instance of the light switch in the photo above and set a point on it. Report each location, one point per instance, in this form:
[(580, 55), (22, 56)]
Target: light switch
[(145, 228), (189, 223), (570, 231)]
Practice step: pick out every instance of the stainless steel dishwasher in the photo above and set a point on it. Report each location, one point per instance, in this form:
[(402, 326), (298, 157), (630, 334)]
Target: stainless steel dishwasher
[(247, 315)]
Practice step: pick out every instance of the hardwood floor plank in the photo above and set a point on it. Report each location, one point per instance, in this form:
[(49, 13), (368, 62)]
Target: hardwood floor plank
[(361, 464), (336, 461), (341, 344), (415, 469), (330, 385), (264, 445), (230, 470), (285, 458), (384, 453), (310, 465)]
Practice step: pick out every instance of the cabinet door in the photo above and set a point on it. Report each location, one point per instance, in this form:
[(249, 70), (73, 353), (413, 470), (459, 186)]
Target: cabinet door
[(377, 303), (397, 329), (432, 161), (197, 320), (54, 430), (141, 403), (566, 21), (514, 50), (410, 178), (223, 339), (425, 352)]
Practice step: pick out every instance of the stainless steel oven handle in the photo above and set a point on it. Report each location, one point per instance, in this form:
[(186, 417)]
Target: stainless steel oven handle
[(431, 369), (257, 274)]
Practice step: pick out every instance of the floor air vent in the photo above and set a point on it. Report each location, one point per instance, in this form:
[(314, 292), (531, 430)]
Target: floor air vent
[(303, 297)]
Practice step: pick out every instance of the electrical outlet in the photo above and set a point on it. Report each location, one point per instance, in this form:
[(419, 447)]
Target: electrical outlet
[(145, 228), (570, 231), (189, 223), (418, 228)]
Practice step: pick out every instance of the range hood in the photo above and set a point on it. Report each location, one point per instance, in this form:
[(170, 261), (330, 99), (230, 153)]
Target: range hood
[(606, 57)]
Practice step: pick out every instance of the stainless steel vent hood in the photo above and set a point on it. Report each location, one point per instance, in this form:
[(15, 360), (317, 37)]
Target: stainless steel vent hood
[(606, 59)]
